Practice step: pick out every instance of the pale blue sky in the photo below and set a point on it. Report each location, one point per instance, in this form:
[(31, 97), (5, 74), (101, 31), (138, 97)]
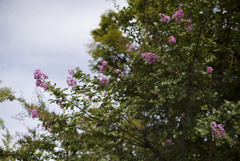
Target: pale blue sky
[(43, 34)]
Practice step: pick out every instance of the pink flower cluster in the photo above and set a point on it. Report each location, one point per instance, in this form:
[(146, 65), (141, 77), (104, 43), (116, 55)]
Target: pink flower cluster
[(103, 67), (34, 113), (209, 69), (171, 40), (189, 28), (151, 58), (71, 81), (168, 142), (121, 75), (130, 47), (178, 15), (151, 37), (103, 80), (164, 17), (40, 79), (217, 129)]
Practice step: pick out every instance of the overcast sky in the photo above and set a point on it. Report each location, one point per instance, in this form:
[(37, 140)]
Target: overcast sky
[(50, 35)]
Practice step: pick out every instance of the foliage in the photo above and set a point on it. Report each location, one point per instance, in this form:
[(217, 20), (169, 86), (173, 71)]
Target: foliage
[(160, 89)]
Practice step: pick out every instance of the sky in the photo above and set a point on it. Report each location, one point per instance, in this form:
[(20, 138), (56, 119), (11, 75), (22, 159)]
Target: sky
[(50, 35)]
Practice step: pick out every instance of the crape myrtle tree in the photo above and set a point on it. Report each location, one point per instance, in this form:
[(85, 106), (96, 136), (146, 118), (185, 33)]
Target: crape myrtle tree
[(205, 36), (168, 87)]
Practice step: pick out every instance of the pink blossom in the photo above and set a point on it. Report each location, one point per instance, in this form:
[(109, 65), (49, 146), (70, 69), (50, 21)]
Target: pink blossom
[(189, 21), (111, 125), (167, 19), (116, 58), (38, 83), (209, 69), (121, 75), (168, 142), (71, 72), (71, 81), (40, 79), (217, 129), (151, 58), (103, 80), (107, 116), (105, 92), (151, 37), (105, 63), (172, 40), (189, 28), (117, 70), (213, 124), (101, 68), (128, 56), (44, 85), (215, 132), (37, 74), (178, 15), (127, 45), (131, 47), (220, 127), (34, 113), (164, 18)]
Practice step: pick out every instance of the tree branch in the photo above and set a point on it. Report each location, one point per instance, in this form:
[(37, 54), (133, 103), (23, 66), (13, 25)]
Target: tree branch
[(211, 150)]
